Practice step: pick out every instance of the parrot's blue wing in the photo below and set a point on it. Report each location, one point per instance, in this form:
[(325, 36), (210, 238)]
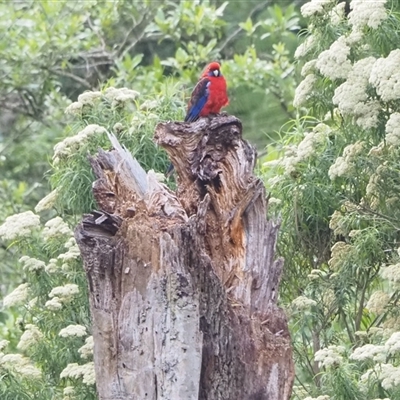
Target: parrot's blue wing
[(198, 100)]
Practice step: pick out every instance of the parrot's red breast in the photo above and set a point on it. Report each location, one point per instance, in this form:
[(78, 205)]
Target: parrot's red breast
[(209, 95)]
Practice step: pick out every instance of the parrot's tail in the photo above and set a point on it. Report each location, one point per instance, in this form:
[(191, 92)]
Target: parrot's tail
[(169, 171)]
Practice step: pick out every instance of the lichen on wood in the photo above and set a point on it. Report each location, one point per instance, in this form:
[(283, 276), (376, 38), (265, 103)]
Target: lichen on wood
[(183, 285)]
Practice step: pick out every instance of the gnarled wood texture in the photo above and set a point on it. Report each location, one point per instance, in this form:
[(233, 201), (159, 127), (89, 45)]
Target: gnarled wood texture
[(183, 285)]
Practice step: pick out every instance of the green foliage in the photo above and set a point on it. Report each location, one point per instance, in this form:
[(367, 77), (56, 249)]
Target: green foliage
[(52, 297), (117, 111), (335, 186), (58, 56)]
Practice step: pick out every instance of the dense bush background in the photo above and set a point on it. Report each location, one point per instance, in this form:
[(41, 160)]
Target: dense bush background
[(328, 155)]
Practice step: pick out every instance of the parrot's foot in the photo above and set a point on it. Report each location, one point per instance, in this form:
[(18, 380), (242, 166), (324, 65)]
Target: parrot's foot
[(212, 116)]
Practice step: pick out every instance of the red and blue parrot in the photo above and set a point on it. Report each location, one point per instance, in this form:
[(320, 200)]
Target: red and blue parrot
[(208, 97)]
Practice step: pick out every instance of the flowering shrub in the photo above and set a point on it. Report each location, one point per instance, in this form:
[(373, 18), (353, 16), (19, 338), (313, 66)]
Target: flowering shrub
[(121, 112), (53, 314), (54, 353), (339, 189)]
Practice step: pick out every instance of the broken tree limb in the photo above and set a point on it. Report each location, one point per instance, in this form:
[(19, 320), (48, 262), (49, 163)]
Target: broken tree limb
[(183, 286)]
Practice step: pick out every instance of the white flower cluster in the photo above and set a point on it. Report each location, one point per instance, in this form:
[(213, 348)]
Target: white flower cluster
[(30, 337), (315, 7), (391, 273), (391, 325), (336, 15), (328, 300), (330, 356), (61, 295), (54, 304), (21, 365), (387, 374), (337, 224), (392, 345), (18, 296), (149, 105), (73, 330), (369, 13), (120, 95), (73, 143), (73, 252), (32, 264), (354, 37), (65, 293), (393, 129), (274, 200), (76, 371), (385, 76), (339, 253), (51, 267), (56, 227), (377, 302), (300, 391), (352, 98), (316, 274), (32, 303), (377, 151), (48, 202), (74, 108), (306, 148), (361, 335), (303, 303), (69, 393), (86, 350), (3, 344), (308, 67), (304, 90), (333, 63), (89, 97), (19, 225), (305, 47), (118, 127), (369, 351), (344, 164), (83, 99)]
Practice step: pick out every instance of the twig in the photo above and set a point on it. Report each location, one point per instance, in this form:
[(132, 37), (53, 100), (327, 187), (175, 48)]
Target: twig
[(94, 65), (133, 44), (257, 8), (71, 76), (121, 51), (89, 20)]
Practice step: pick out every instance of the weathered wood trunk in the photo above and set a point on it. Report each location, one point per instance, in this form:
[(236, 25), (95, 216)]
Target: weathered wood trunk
[(183, 286)]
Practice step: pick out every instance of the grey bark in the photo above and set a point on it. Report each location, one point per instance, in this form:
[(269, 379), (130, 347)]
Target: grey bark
[(183, 285)]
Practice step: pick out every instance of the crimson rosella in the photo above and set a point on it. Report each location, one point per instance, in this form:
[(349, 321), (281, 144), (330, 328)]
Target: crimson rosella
[(208, 97)]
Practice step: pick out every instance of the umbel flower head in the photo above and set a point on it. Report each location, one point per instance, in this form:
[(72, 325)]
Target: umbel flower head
[(19, 225), (367, 13), (72, 143), (18, 296), (76, 371), (21, 365), (314, 7), (30, 337), (73, 330)]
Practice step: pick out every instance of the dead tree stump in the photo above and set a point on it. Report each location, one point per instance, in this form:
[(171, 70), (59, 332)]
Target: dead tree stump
[(183, 286)]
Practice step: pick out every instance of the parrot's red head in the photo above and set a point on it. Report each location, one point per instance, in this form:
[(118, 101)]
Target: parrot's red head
[(213, 69)]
